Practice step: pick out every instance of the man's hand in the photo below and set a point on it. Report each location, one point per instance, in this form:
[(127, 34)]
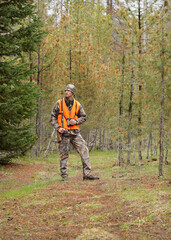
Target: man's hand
[(72, 122), (61, 130)]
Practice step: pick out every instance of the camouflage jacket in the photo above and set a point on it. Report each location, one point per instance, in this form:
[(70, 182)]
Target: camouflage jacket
[(54, 115)]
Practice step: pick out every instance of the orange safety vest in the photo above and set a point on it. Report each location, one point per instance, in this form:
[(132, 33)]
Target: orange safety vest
[(65, 114)]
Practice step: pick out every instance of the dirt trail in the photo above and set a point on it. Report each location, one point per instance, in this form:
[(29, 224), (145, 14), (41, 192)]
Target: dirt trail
[(74, 209)]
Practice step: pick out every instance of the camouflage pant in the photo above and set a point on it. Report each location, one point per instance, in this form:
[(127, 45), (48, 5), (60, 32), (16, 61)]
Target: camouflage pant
[(80, 145)]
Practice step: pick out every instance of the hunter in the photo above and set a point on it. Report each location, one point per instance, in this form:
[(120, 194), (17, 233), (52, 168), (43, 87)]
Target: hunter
[(66, 117)]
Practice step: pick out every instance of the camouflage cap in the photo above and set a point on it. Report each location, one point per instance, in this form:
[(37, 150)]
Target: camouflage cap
[(70, 87)]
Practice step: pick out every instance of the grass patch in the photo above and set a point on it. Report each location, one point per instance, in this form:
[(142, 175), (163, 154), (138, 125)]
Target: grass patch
[(27, 189), (23, 191), (139, 194)]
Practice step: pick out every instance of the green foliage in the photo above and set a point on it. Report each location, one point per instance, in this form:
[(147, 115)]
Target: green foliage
[(19, 35)]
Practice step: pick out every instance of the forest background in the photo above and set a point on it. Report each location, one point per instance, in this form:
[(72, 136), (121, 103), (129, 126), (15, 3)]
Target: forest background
[(116, 53)]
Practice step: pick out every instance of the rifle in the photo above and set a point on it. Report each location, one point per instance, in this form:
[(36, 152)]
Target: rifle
[(67, 133), (59, 137), (59, 134)]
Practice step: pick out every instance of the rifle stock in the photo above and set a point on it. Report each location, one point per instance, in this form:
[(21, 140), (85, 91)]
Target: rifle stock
[(59, 137)]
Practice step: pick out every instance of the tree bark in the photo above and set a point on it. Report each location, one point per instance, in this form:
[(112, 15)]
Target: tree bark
[(120, 141), (103, 142), (130, 106), (31, 66), (162, 106), (148, 146), (100, 139), (70, 63), (140, 86), (166, 154), (38, 115), (109, 9)]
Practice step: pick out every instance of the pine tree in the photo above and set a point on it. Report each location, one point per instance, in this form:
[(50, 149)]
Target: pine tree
[(19, 35)]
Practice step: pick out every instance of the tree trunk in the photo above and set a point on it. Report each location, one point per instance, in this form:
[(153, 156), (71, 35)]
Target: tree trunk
[(120, 140), (155, 148), (31, 66), (161, 154), (130, 105), (109, 8), (48, 146), (100, 139), (151, 145), (166, 154), (140, 86), (38, 114), (61, 5), (70, 64), (148, 146), (103, 142), (93, 142), (162, 107), (31, 80)]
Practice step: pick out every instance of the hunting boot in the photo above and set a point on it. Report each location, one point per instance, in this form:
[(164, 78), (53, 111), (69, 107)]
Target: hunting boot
[(90, 177), (64, 178)]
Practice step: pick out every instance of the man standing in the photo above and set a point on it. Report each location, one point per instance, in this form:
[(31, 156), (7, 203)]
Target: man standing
[(66, 117)]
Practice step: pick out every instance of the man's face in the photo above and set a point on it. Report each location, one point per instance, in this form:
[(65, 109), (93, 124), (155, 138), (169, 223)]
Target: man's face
[(68, 94)]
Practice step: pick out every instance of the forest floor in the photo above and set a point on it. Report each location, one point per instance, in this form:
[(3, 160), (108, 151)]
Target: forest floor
[(126, 203)]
